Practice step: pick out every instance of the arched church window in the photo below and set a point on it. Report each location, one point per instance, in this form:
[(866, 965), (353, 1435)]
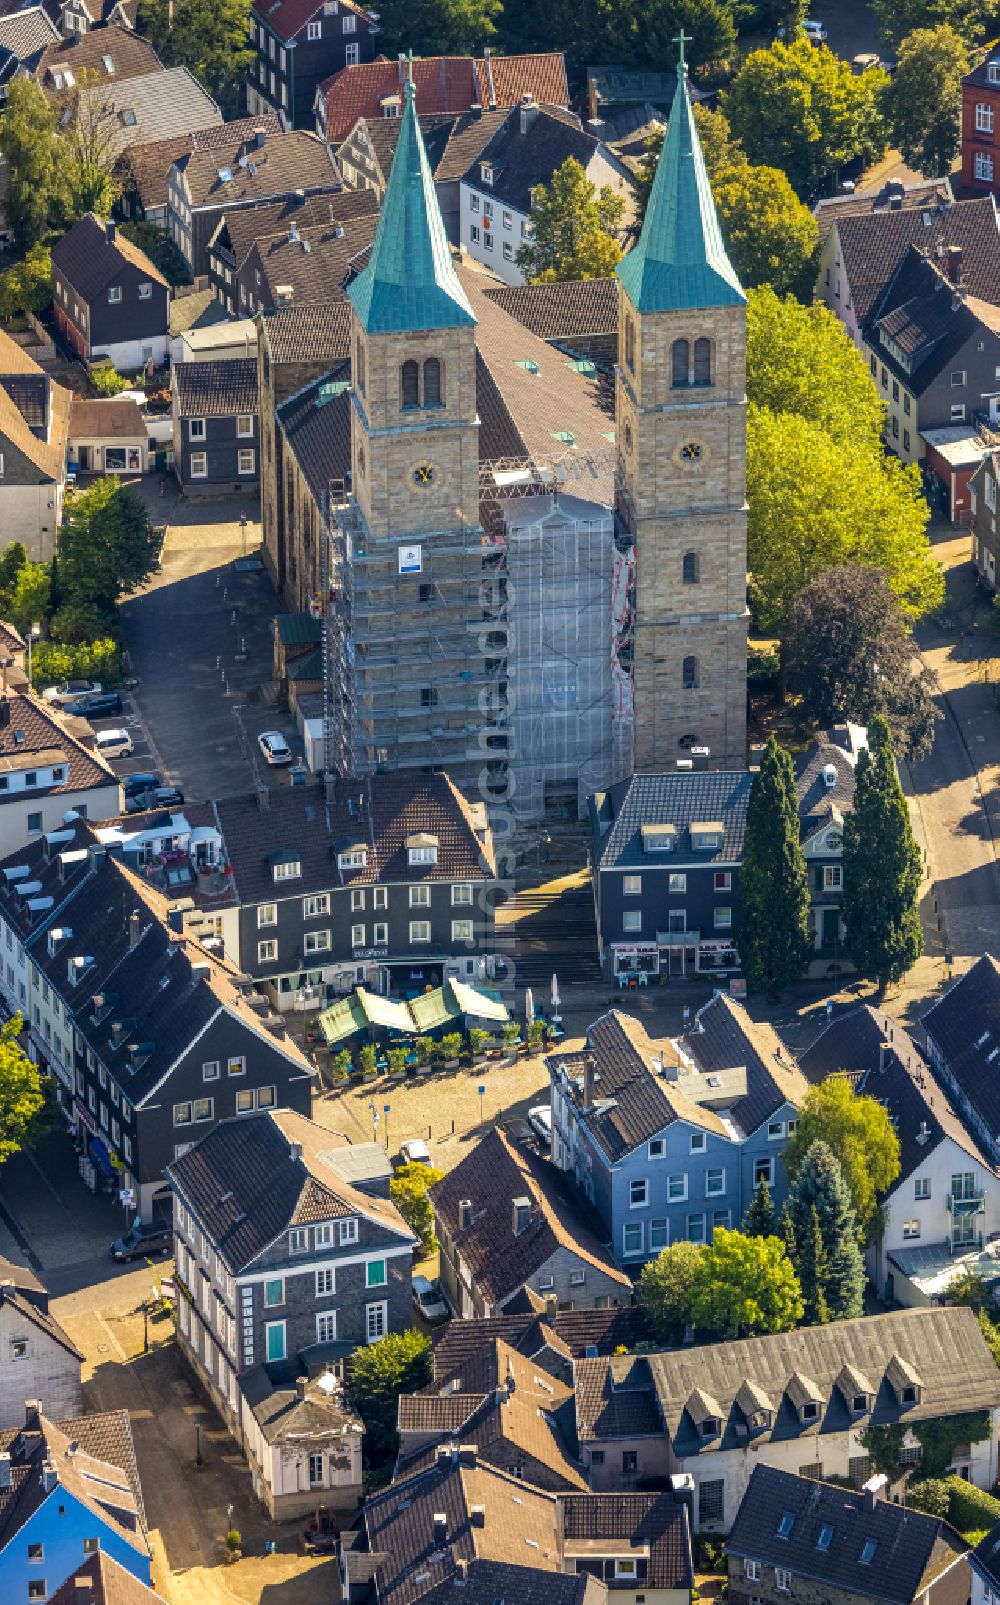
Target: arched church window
[(359, 365), (689, 674), (679, 361), (432, 382), (703, 362), (630, 344), (410, 384), (689, 571)]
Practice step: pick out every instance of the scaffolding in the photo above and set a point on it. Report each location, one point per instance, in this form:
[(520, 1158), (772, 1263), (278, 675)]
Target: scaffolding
[(337, 546)]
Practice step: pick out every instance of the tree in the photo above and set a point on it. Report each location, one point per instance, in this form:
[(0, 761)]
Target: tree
[(107, 545), (760, 1219), (107, 382), (770, 236), (663, 1291), (848, 651), (834, 1266), (378, 1373), (743, 1286), (160, 249), (29, 145), (800, 359), (633, 33), (438, 27), (813, 1270), (924, 102), (772, 930), (801, 109), (21, 1095), (31, 595), (572, 228), (882, 868), (898, 19), (27, 286), (815, 503), (408, 1191), (209, 37), (12, 560), (858, 1132), (90, 145)]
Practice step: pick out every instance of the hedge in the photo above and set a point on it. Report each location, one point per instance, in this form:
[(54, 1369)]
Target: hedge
[(970, 1507)]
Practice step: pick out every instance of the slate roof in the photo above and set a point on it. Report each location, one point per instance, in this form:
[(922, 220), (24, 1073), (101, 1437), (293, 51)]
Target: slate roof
[(286, 1415), (465, 137), (243, 226), (48, 455), (316, 425), (560, 311), (443, 84), (492, 1175), (156, 105), (116, 418), (679, 800), (911, 1550), (944, 1346), (288, 17), (246, 1185), (818, 802), (101, 1472), (107, 1583), (26, 33), (921, 315), (309, 333), (130, 57), (318, 261), (216, 389), (979, 77), (148, 163), (46, 730), (570, 1332), (964, 1026), (616, 1399), (396, 806), (985, 1558), (873, 245), (724, 1035), (90, 259), (654, 1523), (925, 194), (199, 309), (35, 1311), (286, 162), (522, 161)]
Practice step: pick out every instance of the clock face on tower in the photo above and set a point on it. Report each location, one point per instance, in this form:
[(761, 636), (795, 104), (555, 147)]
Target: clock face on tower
[(691, 454), (425, 475)]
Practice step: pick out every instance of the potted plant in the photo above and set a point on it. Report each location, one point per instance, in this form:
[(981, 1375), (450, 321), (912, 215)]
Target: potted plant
[(510, 1034), (536, 1034), (367, 1060), (397, 1062), (423, 1048), (451, 1048), (234, 1545), (342, 1065), (477, 1043)]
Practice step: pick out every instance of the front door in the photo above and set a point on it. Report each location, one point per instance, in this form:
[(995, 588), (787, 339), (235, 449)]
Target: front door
[(84, 459)]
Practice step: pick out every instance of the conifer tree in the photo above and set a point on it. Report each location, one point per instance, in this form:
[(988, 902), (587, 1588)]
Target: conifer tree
[(760, 1219), (881, 868), (772, 933), (812, 1270), (838, 1272)]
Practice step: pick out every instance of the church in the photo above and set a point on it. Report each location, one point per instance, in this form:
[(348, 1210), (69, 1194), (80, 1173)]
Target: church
[(531, 561)]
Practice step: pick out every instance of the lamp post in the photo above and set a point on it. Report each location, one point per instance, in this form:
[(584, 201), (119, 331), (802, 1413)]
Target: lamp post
[(33, 634), (385, 1111)]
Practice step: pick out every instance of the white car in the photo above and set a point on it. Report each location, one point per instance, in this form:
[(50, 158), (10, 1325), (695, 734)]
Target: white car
[(540, 1121), (70, 689), (816, 31), (274, 747), (415, 1152), (428, 1299), (113, 743)]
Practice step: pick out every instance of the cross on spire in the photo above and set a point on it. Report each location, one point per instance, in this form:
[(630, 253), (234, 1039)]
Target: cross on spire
[(409, 72), (682, 39)]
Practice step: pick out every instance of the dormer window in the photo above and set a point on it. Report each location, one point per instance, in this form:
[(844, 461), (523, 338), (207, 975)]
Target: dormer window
[(810, 1411), (659, 838), (908, 1394), (355, 858), (993, 72), (710, 1427), (859, 1404), (486, 170), (421, 848), (286, 866)]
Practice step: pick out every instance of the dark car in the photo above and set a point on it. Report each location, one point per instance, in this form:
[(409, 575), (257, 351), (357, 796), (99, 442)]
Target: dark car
[(97, 706), (141, 1239), (141, 780), (157, 797)]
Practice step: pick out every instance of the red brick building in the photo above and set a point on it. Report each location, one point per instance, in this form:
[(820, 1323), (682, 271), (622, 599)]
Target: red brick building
[(981, 128)]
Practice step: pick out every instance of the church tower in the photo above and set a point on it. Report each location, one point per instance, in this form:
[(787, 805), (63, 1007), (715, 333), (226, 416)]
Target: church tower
[(681, 433), (419, 667)]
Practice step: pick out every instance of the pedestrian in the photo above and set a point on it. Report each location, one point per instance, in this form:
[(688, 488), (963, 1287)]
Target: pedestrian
[(687, 1015)]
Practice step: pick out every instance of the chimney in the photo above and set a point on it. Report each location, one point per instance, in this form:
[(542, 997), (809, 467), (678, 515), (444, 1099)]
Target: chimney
[(32, 1415), (135, 927), (873, 1490), (112, 232), (301, 1383), (488, 64), (521, 1208), (402, 68), (50, 1475), (467, 1454), (923, 1133), (464, 1213), (200, 972), (5, 1470), (259, 139), (954, 266), (295, 1151), (883, 1055), (529, 112), (589, 1068), (440, 1527), (444, 1456), (682, 1488), (478, 1515)]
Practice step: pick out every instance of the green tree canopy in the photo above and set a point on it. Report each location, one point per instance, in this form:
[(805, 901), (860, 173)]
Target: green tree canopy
[(882, 869), (209, 37), (848, 651), (30, 146), (800, 359), (663, 1291), (898, 19), (408, 1191), (760, 1219), (633, 33), (743, 1286), (107, 545), (160, 249), (21, 1095), (815, 503), (573, 228), (27, 286), (30, 596), (438, 27), (859, 1133), (828, 1260), (377, 1374), (90, 135), (803, 110), (924, 103), (772, 928), (770, 236)]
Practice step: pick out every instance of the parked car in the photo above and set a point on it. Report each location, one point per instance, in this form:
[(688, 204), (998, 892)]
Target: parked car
[(114, 744), (864, 62), (97, 705), (69, 690), (274, 747), (540, 1121), (415, 1152), (815, 31), (429, 1299), (155, 797), (141, 1239), (139, 780)]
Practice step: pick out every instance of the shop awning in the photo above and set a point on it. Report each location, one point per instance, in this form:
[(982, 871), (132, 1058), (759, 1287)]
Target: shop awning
[(384, 1012), (342, 1020), (477, 1005), (429, 1012)]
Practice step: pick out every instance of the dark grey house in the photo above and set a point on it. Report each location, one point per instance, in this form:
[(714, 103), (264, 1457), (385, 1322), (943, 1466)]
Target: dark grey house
[(110, 299), (300, 43), (216, 427), (237, 232)]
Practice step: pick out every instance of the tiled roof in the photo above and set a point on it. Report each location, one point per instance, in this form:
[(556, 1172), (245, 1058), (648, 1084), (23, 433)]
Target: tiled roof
[(316, 425), (560, 311), (247, 1185), (459, 1344), (46, 730), (492, 1175), (616, 1399), (443, 84), (199, 309), (285, 163), (467, 137), (289, 17), (243, 226), (101, 1580), (26, 33), (94, 1459), (965, 1028), (49, 455), (316, 260), (130, 57), (147, 163), (680, 800), (925, 193), (944, 1346), (117, 418), (725, 1035), (905, 1551), (396, 806), (216, 389), (523, 161), (90, 257), (309, 333), (652, 1523), (288, 1415), (156, 105), (872, 247), (35, 1312), (921, 315)]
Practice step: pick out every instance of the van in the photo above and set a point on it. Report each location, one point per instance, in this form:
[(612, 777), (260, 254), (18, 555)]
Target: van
[(113, 743)]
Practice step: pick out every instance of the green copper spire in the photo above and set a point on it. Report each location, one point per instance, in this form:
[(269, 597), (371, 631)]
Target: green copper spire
[(410, 281), (680, 260)]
